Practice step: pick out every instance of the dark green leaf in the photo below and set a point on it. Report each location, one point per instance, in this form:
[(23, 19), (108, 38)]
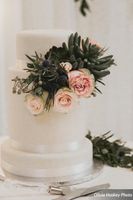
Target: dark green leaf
[(113, 153), (70, 41)]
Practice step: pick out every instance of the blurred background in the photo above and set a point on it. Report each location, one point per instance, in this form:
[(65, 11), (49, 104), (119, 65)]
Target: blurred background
[(110, 22)]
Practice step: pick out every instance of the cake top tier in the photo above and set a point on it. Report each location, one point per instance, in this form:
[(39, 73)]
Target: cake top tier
[(40, 41)]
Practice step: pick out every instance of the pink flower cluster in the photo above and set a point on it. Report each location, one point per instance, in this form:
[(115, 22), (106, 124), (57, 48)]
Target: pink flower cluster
[(81, 84)]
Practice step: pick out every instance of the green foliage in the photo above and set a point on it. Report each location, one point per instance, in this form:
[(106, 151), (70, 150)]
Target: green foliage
[(84, 6), (45, 73), (113, 153), (82, 54)]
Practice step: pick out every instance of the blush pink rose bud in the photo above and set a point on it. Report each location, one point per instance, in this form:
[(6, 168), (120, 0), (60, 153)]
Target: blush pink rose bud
[(64, 100), (66, 65), (93, 42), (81, 82), (35, 104)]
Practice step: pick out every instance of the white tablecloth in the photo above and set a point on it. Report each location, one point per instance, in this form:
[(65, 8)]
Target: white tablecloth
[(118, 178)]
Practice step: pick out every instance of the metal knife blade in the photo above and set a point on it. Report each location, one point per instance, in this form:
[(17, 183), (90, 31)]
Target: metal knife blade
[(83, 191)]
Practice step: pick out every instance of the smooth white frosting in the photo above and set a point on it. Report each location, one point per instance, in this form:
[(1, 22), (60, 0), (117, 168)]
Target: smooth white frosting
[(48, 165), (50, 140)]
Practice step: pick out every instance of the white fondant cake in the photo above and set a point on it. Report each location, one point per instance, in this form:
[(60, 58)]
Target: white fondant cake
[(50, 145)]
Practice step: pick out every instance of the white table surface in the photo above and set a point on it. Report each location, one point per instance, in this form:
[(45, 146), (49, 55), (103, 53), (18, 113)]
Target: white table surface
[(118, 178)]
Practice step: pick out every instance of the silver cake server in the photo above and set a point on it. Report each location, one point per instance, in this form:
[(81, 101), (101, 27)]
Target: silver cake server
[(54, 190), (69, 195)]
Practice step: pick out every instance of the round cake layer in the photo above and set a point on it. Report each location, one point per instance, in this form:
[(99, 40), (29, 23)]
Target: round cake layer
[(52, 144), (49, 128), (46, 165), (40, 41)]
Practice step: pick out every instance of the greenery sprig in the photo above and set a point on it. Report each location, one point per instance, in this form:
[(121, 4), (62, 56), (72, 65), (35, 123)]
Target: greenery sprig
[(79, 53), (84, 6), (45, 73), (113, 153)]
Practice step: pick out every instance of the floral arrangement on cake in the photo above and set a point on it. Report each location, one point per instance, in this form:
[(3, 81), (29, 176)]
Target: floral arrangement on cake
[(64, 75)]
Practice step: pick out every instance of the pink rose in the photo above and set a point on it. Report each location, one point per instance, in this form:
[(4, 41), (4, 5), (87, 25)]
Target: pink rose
[(66, 65), (93, 42), (35, 104), (81, 82), (64, 100)]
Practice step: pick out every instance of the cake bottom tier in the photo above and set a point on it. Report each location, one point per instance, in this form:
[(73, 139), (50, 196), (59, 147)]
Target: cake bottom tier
[(61, 166)]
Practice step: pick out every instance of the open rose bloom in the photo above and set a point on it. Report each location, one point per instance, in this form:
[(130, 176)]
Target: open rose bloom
[(66, 65), (81, 82), (64, 100), (34, 104)]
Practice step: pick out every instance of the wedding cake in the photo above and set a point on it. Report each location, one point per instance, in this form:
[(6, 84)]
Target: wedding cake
[(50, 144)]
